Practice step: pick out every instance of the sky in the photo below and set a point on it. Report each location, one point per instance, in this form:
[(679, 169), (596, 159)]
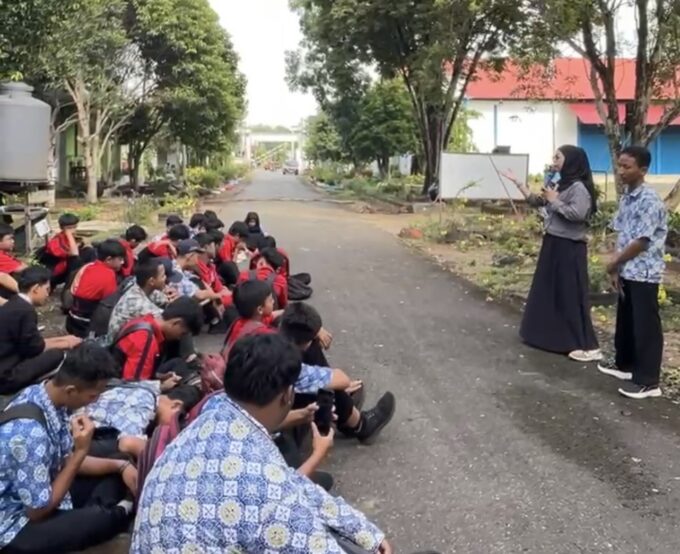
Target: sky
[(262, 31)]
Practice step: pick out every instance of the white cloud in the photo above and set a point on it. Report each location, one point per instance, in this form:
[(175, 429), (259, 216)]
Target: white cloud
[(262, 31)]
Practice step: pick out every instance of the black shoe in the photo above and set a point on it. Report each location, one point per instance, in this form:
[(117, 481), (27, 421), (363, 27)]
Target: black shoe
[(608, 367), (220, 328), (373, 421), (640, 392), (323, 479)]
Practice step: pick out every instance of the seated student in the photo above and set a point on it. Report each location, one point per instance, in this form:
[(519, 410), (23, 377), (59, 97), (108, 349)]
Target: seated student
[(197, 224), (94, 282), (150, 278), (233, 436), (141, 347), (8, 287), (134, 236), (207, 271), (210, 214), (171, 221), (253, 221), (233, 243), (8, 263), (167, 246), (301, 323), (25, 356), (64, 252), (54, 497), (185, 273), (124, 412), (267, 267)]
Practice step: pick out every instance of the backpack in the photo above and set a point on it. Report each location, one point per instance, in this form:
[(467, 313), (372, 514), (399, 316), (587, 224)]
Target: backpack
[(121, 357), (28, 410), (298, 289), (252, 276), (250, 328), (43, 257), (99, 322), (161, 437), (212, 371)]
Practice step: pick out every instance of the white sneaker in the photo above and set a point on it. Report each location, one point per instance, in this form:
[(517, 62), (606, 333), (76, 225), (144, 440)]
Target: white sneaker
[(613, 371), (639, 392), (586, 355)]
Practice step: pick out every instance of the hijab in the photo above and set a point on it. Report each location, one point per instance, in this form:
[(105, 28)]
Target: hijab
[(576, 168), (254, 229)]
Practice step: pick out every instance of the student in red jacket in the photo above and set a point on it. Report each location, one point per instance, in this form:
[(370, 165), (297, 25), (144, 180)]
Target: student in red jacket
[(142, 344), (64, 252), (267, 267), (134, 236), (234, 242), (94, 282), (166, 247), (8, 263)]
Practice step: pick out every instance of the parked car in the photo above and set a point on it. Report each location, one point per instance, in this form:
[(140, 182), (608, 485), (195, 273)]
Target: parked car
[(291, 167)]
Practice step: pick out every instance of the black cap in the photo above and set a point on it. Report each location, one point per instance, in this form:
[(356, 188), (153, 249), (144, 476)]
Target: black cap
[(188, 246)]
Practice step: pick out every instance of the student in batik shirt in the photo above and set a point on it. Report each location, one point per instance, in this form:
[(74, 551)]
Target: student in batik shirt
[(636, 270), (222, 484)]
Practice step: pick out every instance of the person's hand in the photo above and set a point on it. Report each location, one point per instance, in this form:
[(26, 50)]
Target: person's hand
[(320, 443), (325, 338), (510, 176), (613, 265), (171, 294), (550, 194), (129, 476), (72, 341), (354, 386), (169, 381), (615, 281), (306, 415), (82, 430), (385, 547)]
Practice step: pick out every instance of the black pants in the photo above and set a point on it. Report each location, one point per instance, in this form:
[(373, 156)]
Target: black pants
[(95, 519), (30, 371), (639, 337), (73, 264)]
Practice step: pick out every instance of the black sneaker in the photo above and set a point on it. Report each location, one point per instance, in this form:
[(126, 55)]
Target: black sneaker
[(640, 392), (608, 367), (373, 421)]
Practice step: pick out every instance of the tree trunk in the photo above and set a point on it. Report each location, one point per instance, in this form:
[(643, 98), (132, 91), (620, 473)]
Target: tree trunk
[(383, 167), (672, 200), (52, 158), (136, 161), (432, 147)]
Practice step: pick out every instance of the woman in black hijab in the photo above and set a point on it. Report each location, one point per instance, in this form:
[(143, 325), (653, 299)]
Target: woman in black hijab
[(557, 313)]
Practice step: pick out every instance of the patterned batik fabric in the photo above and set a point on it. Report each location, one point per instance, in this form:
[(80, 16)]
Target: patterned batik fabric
[(222, 486), (31, 457), (134, 303), (642, 214)]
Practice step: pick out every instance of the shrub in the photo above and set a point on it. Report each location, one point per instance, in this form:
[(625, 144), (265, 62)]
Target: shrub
[(88, 213), (203, 178)]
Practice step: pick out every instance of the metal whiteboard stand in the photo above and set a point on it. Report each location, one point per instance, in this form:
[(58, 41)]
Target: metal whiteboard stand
[(500, 178)]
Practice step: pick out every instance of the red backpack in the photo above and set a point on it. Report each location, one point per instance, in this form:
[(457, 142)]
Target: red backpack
[(212, 373), (162, 436), (250, 328)]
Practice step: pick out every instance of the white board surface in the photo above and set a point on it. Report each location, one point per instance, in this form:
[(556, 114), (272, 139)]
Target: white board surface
[(475, 176)]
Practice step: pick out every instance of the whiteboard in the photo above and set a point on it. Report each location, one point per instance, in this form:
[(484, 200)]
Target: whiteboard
[(475, 176)]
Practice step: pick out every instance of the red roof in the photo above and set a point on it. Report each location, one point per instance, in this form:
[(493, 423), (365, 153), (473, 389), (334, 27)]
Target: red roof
[(587, 113), (564, 79)]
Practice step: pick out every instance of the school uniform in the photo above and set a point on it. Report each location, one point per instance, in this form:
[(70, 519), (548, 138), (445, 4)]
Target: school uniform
[(129, 266), (278, 282), (639, 335), (31, 457), (92, 284), (8, 263)]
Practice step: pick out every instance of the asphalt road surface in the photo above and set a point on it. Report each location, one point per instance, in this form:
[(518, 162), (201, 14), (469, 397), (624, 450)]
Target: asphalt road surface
[(495, 448)]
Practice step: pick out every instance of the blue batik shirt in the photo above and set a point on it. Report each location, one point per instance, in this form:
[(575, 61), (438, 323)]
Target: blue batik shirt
[(128, 408), (185, 287), (642, 214), (31, 457), (223, 487)]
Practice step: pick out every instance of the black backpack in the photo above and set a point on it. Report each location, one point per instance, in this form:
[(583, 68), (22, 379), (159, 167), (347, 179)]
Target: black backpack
[(28, 410), (99, 322), (298, 287)]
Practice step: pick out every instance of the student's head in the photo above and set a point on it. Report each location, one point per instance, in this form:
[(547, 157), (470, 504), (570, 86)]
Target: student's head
[(188, 253), (68, 222), (6, 237), (253, 221), (150, 275), (229, 273), (213, 224), (167, 409), (112, 253), (177, 233), (207, 242), (34, 282), (197, 222), (210, 214), (633, 164), (260, 375), (181, 317), (270, 257), (267, 242), (239, 230), (218, 237), (135, 235), (254, 299), (172, 220), (300, 324), (84, 375)]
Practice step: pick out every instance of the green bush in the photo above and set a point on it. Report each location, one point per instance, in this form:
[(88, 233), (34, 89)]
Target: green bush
[(233, 170), (203, 178), (88, 213)]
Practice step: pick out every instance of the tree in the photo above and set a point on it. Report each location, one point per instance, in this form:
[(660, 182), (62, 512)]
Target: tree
[(590, 28), (323, 142), (461, 134), (385, 126), (434, 46)]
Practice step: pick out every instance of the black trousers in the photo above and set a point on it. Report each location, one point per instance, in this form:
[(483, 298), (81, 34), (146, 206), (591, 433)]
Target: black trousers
[(30, 371), (95, 519), (639, 336)]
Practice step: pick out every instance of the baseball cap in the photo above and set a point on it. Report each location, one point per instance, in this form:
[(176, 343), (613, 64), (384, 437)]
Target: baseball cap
[(171, 275), (188, 246)]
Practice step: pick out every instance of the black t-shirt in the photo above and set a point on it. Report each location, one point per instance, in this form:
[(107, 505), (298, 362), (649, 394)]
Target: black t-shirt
[(19, 335)]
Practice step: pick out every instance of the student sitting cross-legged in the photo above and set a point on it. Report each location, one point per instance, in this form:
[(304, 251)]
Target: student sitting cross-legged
[(25, 356), (229, 486), (54, 497)]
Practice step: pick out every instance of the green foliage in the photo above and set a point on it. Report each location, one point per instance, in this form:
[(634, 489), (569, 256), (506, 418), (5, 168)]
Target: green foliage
[(202, 178), (140, 210), (323, 140), (174, 204), (461, 132), (89, 212)]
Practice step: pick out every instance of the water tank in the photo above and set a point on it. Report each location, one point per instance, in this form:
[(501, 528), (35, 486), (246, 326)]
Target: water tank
[(24, 135)]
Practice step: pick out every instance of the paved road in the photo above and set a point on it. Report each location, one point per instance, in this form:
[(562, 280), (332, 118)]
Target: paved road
[(495, 448), (269, 185)]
